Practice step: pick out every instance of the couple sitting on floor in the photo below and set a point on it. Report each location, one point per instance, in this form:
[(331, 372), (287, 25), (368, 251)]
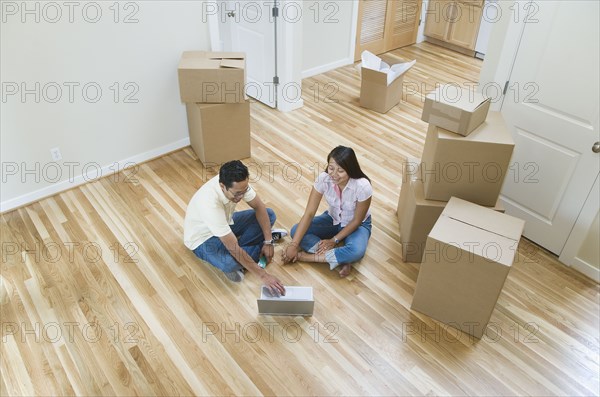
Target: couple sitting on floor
[(234, 241)]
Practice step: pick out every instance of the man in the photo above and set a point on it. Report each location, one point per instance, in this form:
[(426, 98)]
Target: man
[(230, 240)]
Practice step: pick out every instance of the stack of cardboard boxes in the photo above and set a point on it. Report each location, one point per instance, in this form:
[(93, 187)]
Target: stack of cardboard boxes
[(466, 249), (211, 84)]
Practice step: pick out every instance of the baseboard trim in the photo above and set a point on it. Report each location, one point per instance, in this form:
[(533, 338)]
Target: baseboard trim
[(450, 46), (326, 68)]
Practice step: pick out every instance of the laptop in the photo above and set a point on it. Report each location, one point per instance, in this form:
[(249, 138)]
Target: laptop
[(297, 301)]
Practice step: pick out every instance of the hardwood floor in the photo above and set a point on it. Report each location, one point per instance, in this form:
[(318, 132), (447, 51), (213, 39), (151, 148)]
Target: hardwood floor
[(99, 295)]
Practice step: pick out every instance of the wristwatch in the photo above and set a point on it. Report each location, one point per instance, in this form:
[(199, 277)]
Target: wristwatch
[(268, 242), (335, 240)]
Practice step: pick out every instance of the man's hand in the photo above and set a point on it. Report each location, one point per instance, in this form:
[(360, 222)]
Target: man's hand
[(273, 284), (268, 251)]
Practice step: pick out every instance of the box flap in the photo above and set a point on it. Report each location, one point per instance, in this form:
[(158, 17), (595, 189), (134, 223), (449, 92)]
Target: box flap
[(373, 76), (225, 55), (457, 97), (232, 63), (211, 60), (484, 218), (493, 130)]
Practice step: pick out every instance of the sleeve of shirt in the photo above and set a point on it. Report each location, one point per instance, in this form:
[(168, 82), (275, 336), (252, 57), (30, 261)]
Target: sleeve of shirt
[(364, 191), (320, 184), (215, 219), (250, 194)]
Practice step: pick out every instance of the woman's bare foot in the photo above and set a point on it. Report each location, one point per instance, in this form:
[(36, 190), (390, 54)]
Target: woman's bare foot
[(346, 269)]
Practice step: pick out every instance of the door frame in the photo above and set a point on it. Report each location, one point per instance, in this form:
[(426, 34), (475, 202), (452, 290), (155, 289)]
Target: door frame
[(289, 62)]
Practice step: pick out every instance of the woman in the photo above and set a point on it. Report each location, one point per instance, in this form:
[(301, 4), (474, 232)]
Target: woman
[(348, 192)]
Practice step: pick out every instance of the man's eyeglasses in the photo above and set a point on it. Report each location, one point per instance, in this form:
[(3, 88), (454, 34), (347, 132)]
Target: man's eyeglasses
[(239, 194)]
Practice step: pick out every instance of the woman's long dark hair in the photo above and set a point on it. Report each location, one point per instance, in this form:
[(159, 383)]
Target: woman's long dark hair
[(346, 158)]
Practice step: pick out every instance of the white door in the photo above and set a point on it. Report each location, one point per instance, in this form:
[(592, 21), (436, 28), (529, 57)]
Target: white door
[(552, 105), (253, 31)]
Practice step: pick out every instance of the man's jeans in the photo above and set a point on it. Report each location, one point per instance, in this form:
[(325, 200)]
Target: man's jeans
[(250, 238), (322, 227)]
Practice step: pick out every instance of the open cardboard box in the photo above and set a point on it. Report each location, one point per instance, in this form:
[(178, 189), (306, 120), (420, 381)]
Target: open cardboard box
[(381, 83)]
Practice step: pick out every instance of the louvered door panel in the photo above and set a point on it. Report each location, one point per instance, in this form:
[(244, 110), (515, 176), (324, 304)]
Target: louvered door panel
[(384, 25), (371, 27), (405, 16)]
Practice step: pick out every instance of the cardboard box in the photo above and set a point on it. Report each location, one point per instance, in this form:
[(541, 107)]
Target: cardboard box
[(219, 132), (468, 255), (455, 109), (417, 215), (375, 94), (472, 167), (212, 77), (381, 82)]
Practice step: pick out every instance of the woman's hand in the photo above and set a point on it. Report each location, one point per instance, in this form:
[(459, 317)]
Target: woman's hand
[(290, 254), (325, 245)]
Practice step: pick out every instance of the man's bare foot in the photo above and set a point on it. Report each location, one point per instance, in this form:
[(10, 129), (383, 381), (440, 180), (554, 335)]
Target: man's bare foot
[(346, 269)]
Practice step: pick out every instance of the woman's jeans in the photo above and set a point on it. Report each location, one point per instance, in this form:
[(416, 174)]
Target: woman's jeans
[(322, 227)]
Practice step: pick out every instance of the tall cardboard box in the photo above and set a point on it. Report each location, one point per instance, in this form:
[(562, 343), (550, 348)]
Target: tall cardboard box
[(455, 109), (472, 167), (212, 77), (417, 215), (468, 255), (219, 132)]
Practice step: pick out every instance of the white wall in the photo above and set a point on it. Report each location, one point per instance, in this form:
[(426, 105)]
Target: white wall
[(328, 35), (91, 130)]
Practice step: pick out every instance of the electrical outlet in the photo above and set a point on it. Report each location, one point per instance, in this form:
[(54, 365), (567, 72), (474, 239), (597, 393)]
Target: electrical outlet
[(55, 152)]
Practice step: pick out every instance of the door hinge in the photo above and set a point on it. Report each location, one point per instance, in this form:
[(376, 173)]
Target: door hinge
[(420, 20), (275, 12), (275, 79), (505, 88)]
